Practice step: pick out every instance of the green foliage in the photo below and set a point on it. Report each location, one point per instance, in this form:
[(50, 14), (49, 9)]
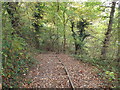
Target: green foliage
[(16, 61), (16, 55), (107, 68), (110, 75), (41, 26)]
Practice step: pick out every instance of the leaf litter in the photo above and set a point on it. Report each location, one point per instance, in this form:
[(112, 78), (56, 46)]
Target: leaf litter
[(50, 73)]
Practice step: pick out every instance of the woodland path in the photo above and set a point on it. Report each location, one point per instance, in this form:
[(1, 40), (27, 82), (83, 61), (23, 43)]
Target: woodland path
[(62, 71)]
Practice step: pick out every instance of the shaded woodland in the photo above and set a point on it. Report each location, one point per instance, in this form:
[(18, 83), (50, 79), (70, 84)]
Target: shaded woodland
[(89, 31)]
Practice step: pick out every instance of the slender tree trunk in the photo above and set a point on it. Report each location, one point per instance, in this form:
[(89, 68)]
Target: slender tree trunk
[(57, 29), (118, 53), (37, 25), (64, 42), (13, 12), (108, 33), (74, 36)]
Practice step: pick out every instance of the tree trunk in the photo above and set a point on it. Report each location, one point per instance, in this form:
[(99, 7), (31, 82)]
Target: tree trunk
[(57, 29), (118, 54), (108, 33), (14, 16), (74, 37), (64, 42), (37, 25)]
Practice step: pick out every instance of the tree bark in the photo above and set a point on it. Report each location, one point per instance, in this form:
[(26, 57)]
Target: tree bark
[(108, 33), (14, 16), (64, 42), (57, 29), (74, 36), (118, 53), (37, 25)]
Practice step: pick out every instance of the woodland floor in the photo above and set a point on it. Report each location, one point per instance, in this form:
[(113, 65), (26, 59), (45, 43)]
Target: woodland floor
[(50, 73)]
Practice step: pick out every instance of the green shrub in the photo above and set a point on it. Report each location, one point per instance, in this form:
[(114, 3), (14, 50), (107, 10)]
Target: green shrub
[(16, 61)]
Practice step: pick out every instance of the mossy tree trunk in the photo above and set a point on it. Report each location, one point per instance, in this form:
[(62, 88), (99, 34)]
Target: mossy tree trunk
[(38, 15), (13, 11), (108, 33)]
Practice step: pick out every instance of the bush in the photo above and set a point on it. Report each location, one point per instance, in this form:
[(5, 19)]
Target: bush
[(16, 61)]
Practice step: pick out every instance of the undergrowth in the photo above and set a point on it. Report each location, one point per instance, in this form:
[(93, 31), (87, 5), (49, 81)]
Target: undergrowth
[(17, 59), (108, 69)]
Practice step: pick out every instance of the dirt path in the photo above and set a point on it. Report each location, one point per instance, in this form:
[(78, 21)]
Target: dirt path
[(50, 73)]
